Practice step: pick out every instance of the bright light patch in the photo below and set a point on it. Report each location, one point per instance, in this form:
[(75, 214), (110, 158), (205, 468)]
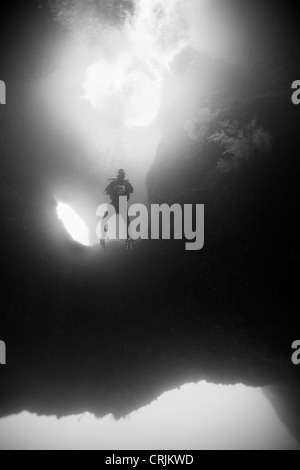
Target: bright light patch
[(73, 224), (129, 84), (134, 92)]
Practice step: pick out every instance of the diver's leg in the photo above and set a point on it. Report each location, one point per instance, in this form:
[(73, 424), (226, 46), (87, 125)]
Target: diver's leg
[(129, 241), (102, 242)]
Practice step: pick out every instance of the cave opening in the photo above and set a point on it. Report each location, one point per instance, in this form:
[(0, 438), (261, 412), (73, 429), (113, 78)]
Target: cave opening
[(74, 225), (192, 417)]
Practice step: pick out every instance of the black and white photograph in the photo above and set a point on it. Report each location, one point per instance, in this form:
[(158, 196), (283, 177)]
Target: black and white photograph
[(149, 235)]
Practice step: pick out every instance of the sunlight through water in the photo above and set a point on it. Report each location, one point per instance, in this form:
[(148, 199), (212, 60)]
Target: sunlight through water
[(74, 225), (132, 81)]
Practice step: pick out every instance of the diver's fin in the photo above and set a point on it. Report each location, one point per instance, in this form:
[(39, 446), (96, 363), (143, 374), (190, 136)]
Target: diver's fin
[(129, 244)]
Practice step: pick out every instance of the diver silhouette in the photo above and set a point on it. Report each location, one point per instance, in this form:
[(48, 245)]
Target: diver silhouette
[(119, 187)]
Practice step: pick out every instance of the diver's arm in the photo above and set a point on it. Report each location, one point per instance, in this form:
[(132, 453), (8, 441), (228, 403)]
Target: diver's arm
[(129, 188), (109, 188)]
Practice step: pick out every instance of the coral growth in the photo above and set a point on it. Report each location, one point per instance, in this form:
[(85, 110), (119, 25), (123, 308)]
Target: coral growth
[(241, 143)]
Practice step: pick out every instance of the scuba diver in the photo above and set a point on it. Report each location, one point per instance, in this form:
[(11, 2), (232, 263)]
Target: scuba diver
[(117, 188)]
